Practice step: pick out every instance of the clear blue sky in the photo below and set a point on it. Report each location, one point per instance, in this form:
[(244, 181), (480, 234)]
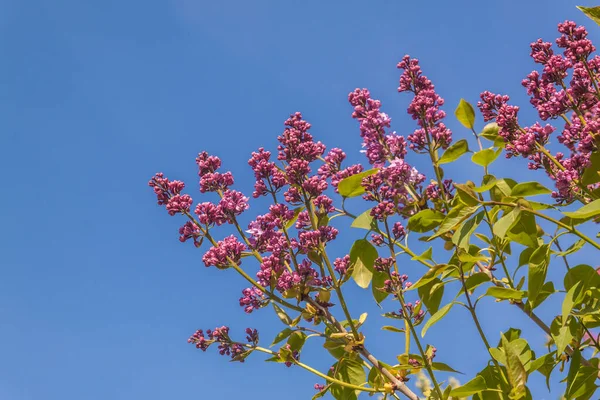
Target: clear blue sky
[(97, 296)]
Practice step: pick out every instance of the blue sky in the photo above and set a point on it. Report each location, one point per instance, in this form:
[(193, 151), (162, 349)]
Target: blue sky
[(97, 296)]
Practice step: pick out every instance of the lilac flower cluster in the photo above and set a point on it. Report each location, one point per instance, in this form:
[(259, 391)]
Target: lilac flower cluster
[(576, 101), (379, 146), (424, 108), (203, 340)]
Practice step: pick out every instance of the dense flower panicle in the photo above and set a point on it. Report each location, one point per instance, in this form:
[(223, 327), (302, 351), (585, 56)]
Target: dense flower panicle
[(541, 51), (490, 104), (221, 254), (164, 188), (203, 340), (554, 97), (395, 283), (433, 191), (281, 214), (252, 336), (215, 181), (210, 214), (252, 299), (574, 166), (579, 138), (389, 187), (314, 186), (424, 107), (548, 101), (304, 276), (207, 164), (373, 125), (293, 196), (265, 235), (270, 268), (377, 239), (398, 231), (266, 173), (341, 265), (525, 140), (226, 345), (297, 143), (303, 220), (180, 203), (383, 264), (311, 240), (190, 231), (233, 203), (333, 163), (383, 210), (574, 41), (323, 205), (199, 340)]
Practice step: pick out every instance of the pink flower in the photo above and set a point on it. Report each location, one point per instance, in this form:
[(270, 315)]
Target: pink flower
[(224, 253)]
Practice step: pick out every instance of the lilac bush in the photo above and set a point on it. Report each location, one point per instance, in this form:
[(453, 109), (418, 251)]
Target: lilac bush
[(487, 231)]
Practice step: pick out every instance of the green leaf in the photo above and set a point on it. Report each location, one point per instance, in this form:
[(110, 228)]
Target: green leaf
[(544, 365), (465, 114), (284, 334), (486, 156), (591, 12), (378, 283), (502, 293), (517, 375), (581, 379), (466, 194), (296, 340), (524, 231), (538, 267), (454, 152), (456, 216), (585, 274), (429, 276), (475, 280), (490, 131), (292, 221), (425, 256), (362, 258), (569, 302), (470, 388), (282, 314), (506, 222), (392, 329), (525, 189), (463, 234), (365, 221), (440, 366), (591, 174), (431, 295), (352, 185), (351, 371), (425, 220), (575, 247), (563, 334), (588, 211), (436, 317), (375, 378)]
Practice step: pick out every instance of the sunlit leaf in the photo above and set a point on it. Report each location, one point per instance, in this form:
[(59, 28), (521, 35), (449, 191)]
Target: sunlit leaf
[(352, 185), (465, 114), (454, 152)]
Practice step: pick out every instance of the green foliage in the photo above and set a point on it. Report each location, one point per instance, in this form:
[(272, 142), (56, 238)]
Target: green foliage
[(351, 186), (465, 114), (362, 259)]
